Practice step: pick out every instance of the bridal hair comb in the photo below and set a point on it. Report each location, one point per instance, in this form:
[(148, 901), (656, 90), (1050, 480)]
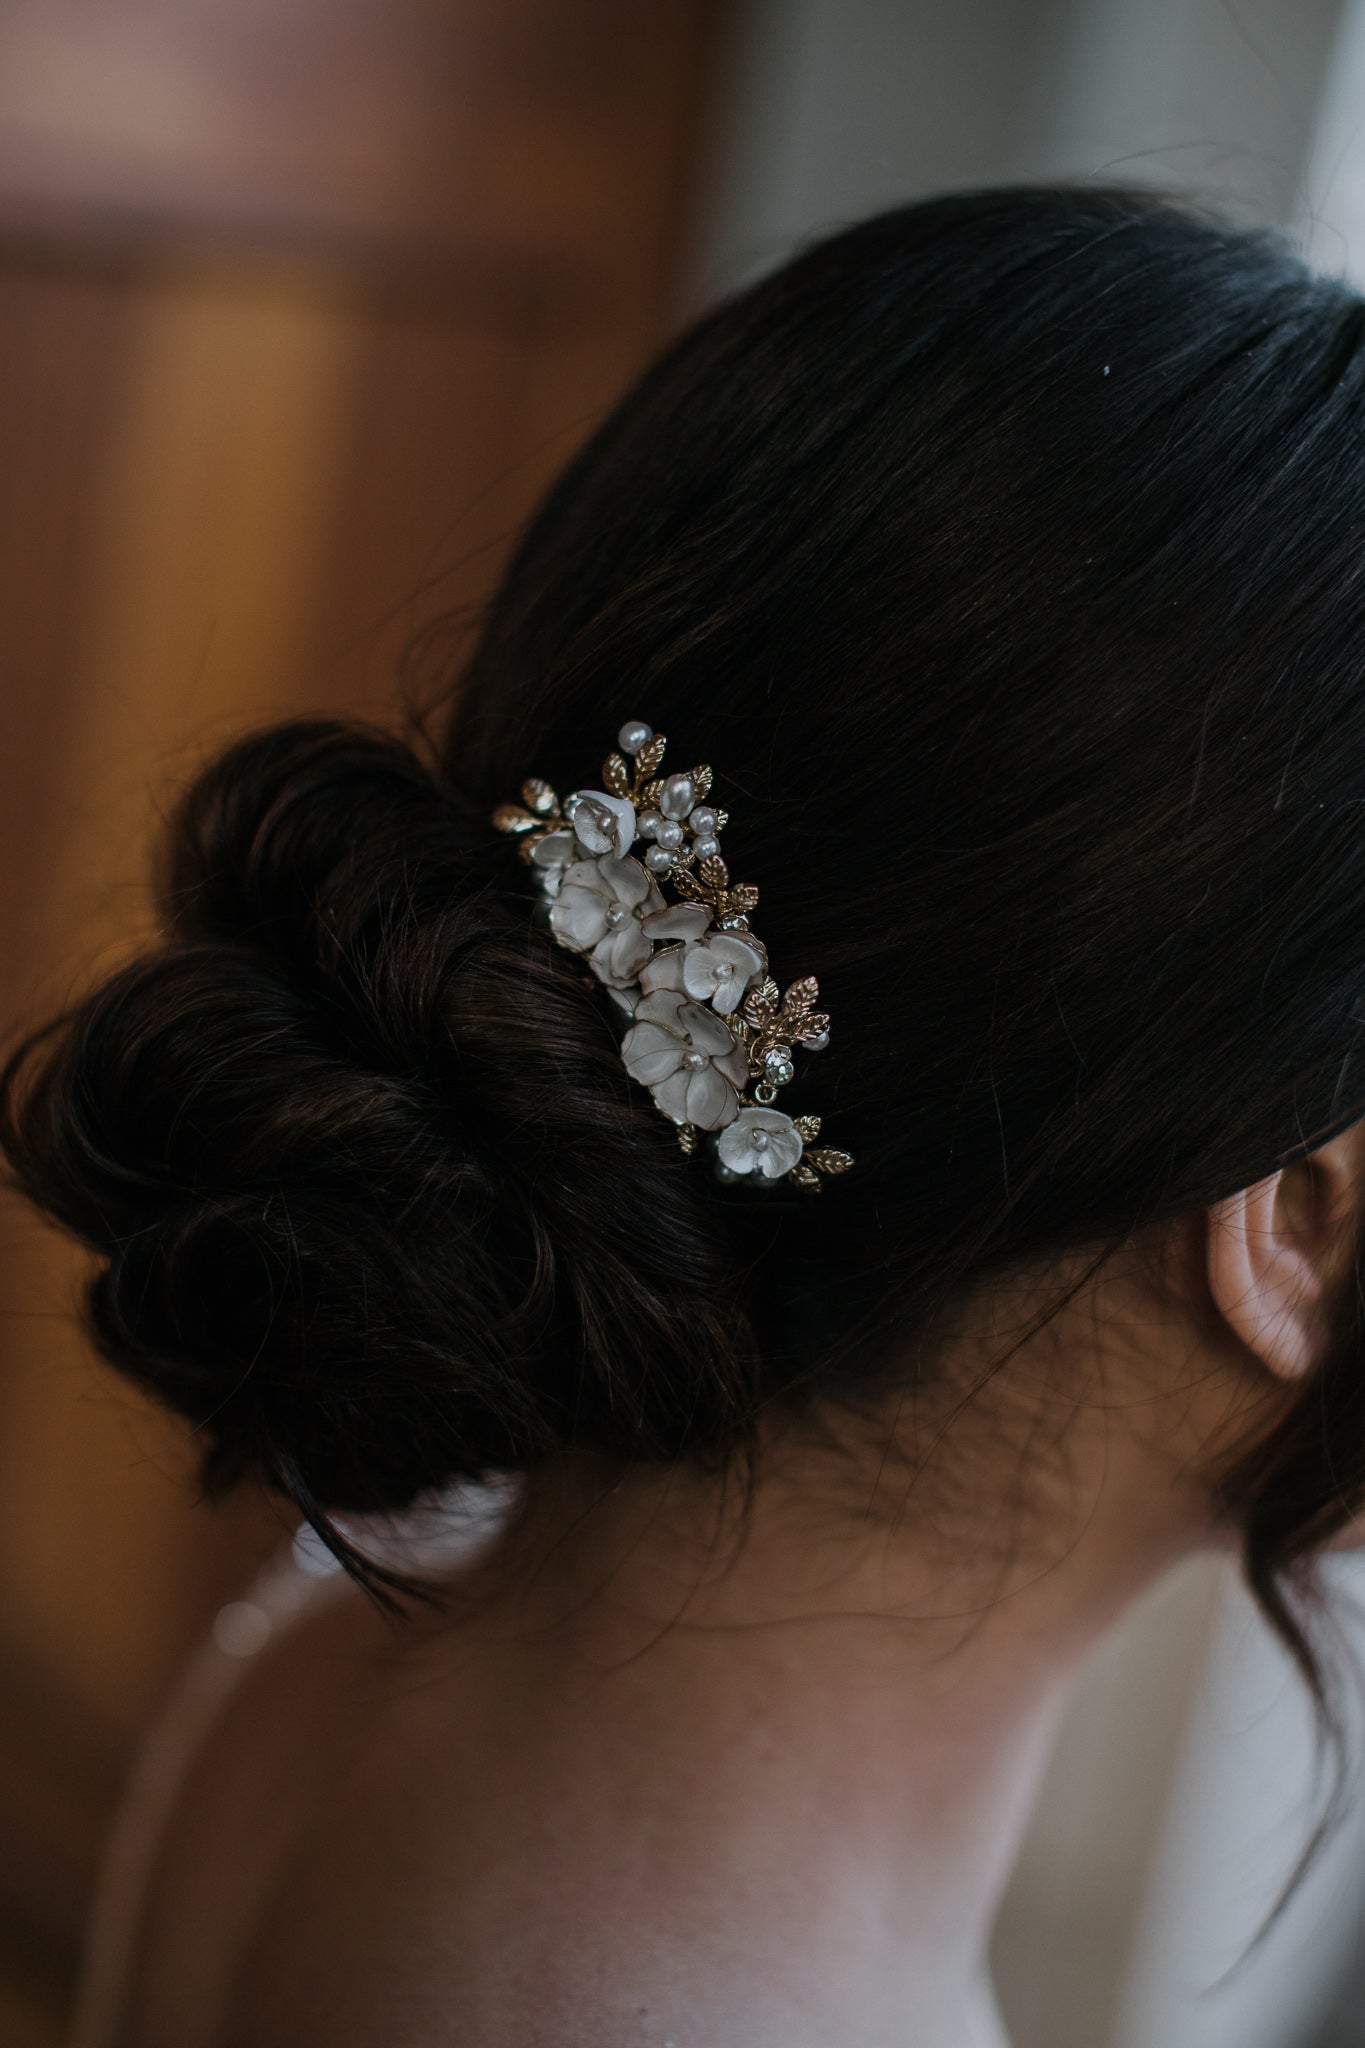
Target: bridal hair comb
[(706, 1028)]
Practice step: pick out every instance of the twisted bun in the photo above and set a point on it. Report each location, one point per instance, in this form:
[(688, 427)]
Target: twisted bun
[(358, 1157)]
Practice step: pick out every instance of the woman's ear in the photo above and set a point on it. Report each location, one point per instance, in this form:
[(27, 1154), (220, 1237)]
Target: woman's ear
[(1277, 1251)]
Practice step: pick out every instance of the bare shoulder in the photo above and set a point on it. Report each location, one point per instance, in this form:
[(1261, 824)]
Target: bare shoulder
[(349, 1832), (335, 1837), (226, 1779)]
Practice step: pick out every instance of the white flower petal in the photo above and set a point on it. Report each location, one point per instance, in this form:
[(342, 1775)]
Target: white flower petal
[(789, 1153), (781, 1155), (711, 1101), (578, 916), (734, 1148), (733, 1064), (671, 1095), (555, 850), (744, 958), (621, 955), (604, 824), (705, 1029), (678, 921), (628, 882), (651, 1054), (661, 1006), (726, 997), (664, 970), (698, 973)]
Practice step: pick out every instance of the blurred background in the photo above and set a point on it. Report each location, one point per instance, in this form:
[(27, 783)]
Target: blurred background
[(301, 305)]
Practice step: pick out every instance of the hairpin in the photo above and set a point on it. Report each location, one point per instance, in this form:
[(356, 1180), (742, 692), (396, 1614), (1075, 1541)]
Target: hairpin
[(706, 1028)]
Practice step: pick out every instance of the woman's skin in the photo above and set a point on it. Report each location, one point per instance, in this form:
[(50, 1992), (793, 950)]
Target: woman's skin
[(660, 1783)]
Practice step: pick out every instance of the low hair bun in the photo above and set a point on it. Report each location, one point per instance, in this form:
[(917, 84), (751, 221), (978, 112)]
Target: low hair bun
[(358, 1158)]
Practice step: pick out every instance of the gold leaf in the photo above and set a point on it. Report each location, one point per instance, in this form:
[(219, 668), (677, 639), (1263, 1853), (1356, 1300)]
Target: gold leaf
[(809, 1026), (722, 820), (616, 775), (512, 818), (804, 1176), (701, 780), (743, 897), (651, 753), (650, 794), (758, 1008), (687, 1138), (809, 1126), (687, 885), (714, 872), (538, 796), (770, 991), (800, 997), (830, 1160)]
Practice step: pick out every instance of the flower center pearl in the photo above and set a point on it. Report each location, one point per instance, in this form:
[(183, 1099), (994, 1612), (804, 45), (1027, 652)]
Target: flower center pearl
[(695, 1060), (616, 913), (759, 1141), (724, 970)]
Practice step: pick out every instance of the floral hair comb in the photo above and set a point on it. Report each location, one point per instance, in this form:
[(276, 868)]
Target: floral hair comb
[(709, 1033)]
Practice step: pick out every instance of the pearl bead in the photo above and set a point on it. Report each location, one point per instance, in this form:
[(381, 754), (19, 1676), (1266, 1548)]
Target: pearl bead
[(679, 795), (707, 844), (759, 1140), (616, 913), (633, 735), (659, 860), (703, 819), (724, 970), (669, 833), (819, 1042), (647, 823), (695, 1060)]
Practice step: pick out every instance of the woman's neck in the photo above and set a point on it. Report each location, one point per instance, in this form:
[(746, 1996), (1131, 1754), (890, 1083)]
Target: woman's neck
[(839, 1696)]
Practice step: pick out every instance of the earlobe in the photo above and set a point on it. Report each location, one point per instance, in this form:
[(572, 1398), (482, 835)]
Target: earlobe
[(1275, 1251)]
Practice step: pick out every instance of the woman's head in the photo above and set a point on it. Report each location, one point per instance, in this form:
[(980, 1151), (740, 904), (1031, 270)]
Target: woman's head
[(1001, 553)]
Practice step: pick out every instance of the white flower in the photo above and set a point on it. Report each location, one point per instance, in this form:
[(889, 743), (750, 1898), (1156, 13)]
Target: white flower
[(693, 1064), (604, 824), (679, 921), (551, 855), (716, 970), (599, 911), (760, 1141)]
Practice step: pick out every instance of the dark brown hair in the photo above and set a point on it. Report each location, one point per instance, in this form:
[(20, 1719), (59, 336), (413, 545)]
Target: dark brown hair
[(1003, 553)]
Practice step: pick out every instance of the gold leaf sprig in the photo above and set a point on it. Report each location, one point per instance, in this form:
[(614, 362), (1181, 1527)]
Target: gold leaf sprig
[(710, 883), (539, 812), (794, 1020), (638, 781)]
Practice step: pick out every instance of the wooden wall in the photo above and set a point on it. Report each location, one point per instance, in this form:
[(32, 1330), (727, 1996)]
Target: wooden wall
[(300, 306)]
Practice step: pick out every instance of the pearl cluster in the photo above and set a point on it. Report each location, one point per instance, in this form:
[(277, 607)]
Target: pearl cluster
[(678, 814)]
